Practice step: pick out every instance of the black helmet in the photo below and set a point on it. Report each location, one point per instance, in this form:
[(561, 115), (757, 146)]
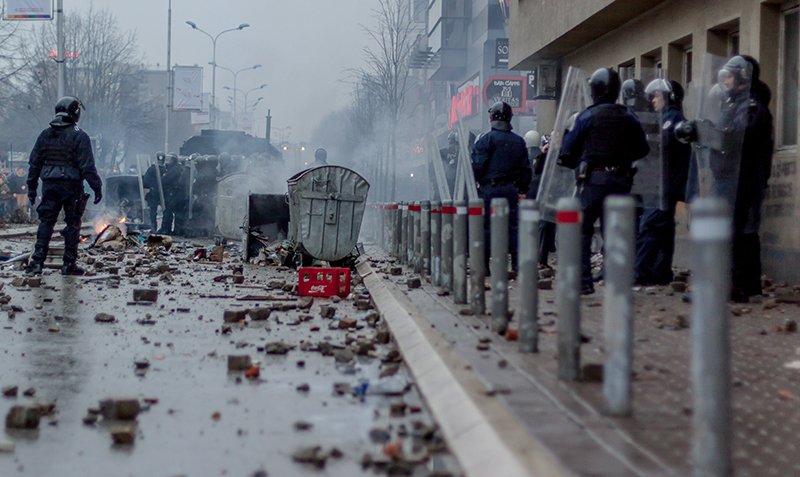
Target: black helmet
[(604, 85), (160, 157), (500, 111), (69, 107), (321, 155), (739, 68), (632, 89)]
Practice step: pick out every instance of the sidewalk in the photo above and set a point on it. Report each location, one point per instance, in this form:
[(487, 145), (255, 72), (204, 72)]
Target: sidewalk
[(567, 418)]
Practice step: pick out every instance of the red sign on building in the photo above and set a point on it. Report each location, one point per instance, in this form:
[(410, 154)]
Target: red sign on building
[(465, 102)]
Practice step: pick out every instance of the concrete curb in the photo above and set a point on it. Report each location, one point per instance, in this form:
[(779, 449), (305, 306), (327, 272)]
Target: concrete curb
[(482, 434)]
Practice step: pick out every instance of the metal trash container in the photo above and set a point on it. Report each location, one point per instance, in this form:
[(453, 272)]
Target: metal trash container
[(326, 207)]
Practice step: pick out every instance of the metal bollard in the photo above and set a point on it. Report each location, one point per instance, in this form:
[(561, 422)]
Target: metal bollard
[(710, 233), (448, 214), (499, 265), (397, 223), (620, 244), (528, 276), (403, 250), (460, 253), (382, 225), (415, 236), (410, 235), (425, 238), (436, 243), (477, 258), (568, 296)]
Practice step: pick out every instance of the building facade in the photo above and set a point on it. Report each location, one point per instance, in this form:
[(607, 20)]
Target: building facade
[(674, 36)]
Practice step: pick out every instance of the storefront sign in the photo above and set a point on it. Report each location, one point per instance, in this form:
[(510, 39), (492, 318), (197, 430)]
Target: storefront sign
[(510, 89), (28, 10), (465, 102), (501, 53)]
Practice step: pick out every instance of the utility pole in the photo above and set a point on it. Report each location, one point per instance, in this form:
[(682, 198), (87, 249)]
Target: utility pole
[(169, 78), (60, 57)]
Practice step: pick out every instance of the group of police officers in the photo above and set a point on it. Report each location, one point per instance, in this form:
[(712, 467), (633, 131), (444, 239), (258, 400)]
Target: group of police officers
[(603, 144)]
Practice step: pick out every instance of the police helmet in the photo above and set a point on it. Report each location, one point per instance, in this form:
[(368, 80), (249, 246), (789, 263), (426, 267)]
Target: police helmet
[(604, 85), (671, 90), (500, 111), (172, 158), (532, 139), (739, 68), (321, 155), (69, 107), (632, 89), (160, 156)]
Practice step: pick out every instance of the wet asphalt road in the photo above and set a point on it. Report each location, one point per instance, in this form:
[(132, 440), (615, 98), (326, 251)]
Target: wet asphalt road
[(204, 420)]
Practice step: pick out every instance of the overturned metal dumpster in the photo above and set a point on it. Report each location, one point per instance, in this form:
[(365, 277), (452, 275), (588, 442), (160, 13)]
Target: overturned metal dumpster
[(326, 207)]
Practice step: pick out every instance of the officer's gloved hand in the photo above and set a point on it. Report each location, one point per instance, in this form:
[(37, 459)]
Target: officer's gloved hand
[(98, 196), (686, 131), (32, 197)]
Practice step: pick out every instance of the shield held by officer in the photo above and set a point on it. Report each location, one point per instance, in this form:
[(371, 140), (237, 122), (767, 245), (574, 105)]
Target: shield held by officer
[(717, 108), (559, 181), (650, 181)]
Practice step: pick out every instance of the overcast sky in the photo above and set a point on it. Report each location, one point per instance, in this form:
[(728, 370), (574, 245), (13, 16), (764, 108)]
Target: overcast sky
[(303, 45)]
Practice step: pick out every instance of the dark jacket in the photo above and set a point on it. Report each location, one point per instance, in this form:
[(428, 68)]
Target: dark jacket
[(63, 152), (677, 154), (604, 135), (172, 183), (150, 182), (500, 156)]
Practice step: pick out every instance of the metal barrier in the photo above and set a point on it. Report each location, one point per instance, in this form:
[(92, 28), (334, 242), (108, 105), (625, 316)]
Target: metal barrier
[(477, 258)]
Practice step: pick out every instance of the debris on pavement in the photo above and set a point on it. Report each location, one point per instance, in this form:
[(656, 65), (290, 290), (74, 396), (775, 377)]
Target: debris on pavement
[(23, 417)]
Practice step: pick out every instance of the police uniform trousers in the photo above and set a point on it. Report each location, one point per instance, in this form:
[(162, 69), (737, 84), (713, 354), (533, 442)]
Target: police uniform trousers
[(599, 185), (168, 217), (58, 195), (655, 246), (152, 205), (511, 194)]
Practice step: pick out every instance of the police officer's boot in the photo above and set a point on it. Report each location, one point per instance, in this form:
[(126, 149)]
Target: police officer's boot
[(34, 268), (70, 268)]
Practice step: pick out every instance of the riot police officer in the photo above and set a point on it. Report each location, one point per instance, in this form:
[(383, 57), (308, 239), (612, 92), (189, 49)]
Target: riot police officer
[(62, 158), (171, 182), (150, 181), (602, 146), (501, 167), (547, 230), (655, 242), (320, 158), (634, 96)]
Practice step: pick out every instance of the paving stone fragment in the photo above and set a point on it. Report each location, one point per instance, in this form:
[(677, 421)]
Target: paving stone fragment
[(123, 435), (305, 303), (790, 326), (124, 409), (23, 417), (260, 314), (592, 372), (277, 347), (327, 311), (104, 318), (302, 426), (141, 294), (303, 388), (396, 271), (413, 283), (379, 435), (347, 323), (6, 447), (344, 355), (34, 282), (234, 316), (546, 284), (10, 391), (30, 392), (342, 389), (238, 362), (383, 337), (678, 287), (363, 305), (310, 455)]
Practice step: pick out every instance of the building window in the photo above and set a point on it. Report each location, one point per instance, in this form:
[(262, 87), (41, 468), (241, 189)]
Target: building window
[(687, 66), (733, 43), (790, 53)]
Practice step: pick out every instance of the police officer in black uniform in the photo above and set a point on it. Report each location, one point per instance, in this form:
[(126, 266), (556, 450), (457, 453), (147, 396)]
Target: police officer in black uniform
[(602, 146), (62, 158), (655, 242), (633, 95), (501, 167), (150, 182), (171, 182), (320, 158)]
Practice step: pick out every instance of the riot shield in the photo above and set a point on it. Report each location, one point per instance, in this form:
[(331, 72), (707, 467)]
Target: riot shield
[(717, 109), (650, 182), (559, 181)]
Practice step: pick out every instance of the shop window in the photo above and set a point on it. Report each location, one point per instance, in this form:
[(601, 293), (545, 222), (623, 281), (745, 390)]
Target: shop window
[(788, 81), (686, 75)]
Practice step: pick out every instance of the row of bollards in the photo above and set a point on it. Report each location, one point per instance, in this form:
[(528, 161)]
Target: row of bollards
[(447, 241)]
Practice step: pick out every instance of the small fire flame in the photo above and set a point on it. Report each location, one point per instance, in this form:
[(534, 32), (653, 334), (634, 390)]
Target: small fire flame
[(123, 220), (100, 226)]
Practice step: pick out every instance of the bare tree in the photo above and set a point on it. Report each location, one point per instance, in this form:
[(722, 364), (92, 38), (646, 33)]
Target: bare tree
[(387, 67), (102, 70)]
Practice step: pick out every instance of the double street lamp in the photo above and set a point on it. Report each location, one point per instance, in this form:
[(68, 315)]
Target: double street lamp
[(244, 93), (235, 76), (214, 39)]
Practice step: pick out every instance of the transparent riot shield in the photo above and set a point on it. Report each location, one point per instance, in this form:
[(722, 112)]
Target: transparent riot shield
[(650, 182), (559, 181), (717, 109)]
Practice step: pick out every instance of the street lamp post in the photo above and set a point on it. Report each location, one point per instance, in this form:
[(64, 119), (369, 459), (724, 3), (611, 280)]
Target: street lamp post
[(214, 62), (234, 89)]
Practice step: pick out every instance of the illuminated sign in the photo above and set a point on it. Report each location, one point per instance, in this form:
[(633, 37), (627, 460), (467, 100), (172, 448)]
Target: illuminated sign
[(465, 101), (68, 54), (28, 10), (509, 89)]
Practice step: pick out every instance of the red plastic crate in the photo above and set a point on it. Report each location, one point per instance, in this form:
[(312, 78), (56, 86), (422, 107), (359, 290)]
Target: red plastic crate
[(323, 282)]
